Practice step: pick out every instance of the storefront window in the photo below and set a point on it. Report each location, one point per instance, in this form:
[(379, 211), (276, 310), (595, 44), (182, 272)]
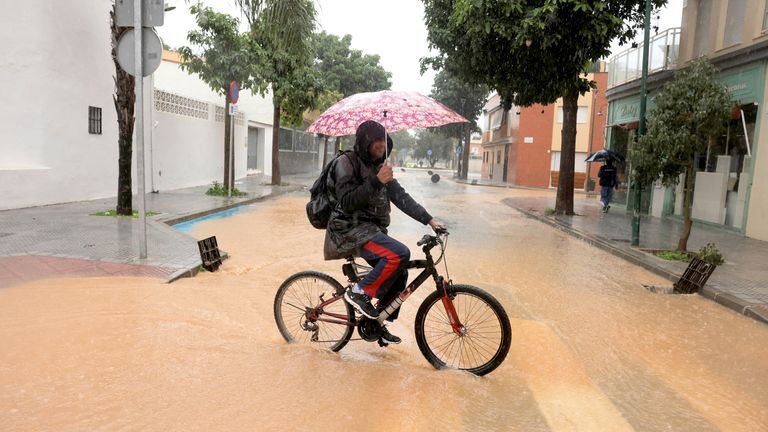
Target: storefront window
[(727, 155)]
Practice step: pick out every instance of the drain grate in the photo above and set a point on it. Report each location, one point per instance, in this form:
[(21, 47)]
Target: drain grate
[(5, 235)]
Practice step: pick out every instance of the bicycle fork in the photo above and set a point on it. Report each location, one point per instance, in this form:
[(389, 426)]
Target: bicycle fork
[(450, 311)]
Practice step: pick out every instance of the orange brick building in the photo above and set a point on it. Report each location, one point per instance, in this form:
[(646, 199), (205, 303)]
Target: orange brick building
[(524, 148)]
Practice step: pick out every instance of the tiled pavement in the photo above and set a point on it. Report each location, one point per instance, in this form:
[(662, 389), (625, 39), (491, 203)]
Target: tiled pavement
[(66, 240), (740, 284)]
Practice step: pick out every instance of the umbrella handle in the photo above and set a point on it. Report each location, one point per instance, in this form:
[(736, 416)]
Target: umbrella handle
[(386, 146)]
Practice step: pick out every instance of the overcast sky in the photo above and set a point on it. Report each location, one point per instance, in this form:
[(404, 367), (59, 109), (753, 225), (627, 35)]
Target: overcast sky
[(393, 29)]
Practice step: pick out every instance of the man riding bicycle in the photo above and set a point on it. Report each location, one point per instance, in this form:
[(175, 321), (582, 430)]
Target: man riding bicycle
[(361, 187)]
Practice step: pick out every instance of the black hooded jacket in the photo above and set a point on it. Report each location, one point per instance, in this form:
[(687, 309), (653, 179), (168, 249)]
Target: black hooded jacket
[(362, 203)]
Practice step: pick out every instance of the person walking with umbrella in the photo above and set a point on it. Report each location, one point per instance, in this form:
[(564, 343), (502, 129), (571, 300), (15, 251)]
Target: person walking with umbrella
[(609, 180)]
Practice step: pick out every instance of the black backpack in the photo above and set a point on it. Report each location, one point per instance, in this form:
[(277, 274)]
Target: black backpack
[(319, 206)]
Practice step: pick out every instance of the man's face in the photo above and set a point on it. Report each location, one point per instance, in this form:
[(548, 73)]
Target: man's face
[(377, 149)]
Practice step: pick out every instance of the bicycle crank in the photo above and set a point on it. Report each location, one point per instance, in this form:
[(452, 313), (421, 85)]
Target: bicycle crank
[(368, 329)]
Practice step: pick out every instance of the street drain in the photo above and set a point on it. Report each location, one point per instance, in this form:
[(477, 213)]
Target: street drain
[(4, 235), (620, 240), (660, 289)]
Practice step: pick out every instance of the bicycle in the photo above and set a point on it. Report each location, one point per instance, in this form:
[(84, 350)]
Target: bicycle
[(470, 332)]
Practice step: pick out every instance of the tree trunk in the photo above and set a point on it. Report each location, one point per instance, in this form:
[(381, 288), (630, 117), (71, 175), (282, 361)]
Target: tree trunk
[(682, 244), (227, 126), (325, 151), (564, 200), (125, 101), (276, 143), (465, 156)]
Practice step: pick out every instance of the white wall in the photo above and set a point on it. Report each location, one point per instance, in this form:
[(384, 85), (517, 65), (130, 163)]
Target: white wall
[(50, 72), (186, 147)]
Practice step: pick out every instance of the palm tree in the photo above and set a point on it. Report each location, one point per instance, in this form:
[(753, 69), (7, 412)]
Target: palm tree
[(124, 98), (284, 28)]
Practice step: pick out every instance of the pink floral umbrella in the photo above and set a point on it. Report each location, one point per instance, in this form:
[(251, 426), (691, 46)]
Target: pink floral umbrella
[(395, 110)]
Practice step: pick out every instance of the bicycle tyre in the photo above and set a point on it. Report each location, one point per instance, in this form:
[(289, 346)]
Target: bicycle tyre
[(432, 307), (312, 284)]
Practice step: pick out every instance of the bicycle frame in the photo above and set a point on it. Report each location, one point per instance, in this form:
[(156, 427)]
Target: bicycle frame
[(429, 271)]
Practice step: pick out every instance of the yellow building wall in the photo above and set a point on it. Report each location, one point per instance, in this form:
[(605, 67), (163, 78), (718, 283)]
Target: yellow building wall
[(752, 31), (582, 129), (758, 198)]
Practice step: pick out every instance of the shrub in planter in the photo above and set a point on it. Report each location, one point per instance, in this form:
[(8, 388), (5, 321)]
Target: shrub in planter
[(710, 255)]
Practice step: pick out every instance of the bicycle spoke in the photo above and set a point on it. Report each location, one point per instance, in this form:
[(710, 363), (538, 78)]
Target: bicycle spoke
[(303, 293), (477, 346)]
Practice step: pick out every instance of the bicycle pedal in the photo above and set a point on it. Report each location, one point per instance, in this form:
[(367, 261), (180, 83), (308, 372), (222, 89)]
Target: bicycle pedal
[(383, 344)]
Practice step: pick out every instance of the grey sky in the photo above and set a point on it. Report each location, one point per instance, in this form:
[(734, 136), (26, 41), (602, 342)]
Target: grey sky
[(393, 29)]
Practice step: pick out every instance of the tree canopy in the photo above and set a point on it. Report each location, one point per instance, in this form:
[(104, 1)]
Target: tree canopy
[(346, 70), (531, 51), (226, 54)]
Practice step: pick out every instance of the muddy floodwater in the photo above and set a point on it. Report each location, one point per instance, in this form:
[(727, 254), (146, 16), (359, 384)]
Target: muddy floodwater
[(591, 349)]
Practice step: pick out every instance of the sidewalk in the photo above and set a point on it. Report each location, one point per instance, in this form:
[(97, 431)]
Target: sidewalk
[(740, 284), (65, 240)]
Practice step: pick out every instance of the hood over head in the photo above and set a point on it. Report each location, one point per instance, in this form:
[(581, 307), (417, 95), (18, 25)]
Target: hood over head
[(368, 132)]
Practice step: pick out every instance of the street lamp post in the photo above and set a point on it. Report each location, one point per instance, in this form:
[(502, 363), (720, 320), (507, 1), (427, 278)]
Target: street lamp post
[(591, 140), (641, 126)]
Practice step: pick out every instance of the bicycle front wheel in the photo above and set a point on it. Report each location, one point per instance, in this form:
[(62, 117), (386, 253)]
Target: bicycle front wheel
[(486, 339), (300, 317)]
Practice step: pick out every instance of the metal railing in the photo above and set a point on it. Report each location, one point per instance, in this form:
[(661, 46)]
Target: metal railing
[(662, 55)]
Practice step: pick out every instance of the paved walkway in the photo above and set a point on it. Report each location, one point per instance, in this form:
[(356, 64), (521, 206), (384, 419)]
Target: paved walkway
[(66, 240), (740, 284)]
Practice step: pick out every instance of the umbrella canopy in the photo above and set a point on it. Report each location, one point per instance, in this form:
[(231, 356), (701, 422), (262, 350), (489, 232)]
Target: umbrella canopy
[(395, 110), (605, 155)]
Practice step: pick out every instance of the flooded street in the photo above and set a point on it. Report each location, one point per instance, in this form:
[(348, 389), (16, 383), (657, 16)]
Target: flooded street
[(591, 349)]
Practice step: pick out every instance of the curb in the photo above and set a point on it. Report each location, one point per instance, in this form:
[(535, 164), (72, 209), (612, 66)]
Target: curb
[(711, 291), (193, 271), (513, 186), (173, 220)]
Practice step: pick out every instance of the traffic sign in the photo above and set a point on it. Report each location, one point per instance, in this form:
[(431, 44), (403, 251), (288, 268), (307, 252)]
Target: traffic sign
[(232, 109), (429, 152), (151, 47), (234, 92), (152, 13)]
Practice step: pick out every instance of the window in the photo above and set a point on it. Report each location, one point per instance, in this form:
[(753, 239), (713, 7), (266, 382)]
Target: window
[(94, 120), (734, 22), (765, 17), (496, 119), (498, 157), (581, 115), (703, 24)]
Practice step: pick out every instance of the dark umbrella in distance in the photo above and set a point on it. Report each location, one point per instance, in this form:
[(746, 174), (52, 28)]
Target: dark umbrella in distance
[(605, 155)]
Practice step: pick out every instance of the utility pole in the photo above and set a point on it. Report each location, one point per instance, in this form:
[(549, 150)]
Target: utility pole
[(591, 140), (641, 127), (139, 52)]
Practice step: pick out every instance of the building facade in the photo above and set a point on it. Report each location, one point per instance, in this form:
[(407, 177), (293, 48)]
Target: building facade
[(525, 150), (58, 137), (731, 180)]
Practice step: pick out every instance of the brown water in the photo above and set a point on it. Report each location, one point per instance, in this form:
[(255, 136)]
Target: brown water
[(591, 350)]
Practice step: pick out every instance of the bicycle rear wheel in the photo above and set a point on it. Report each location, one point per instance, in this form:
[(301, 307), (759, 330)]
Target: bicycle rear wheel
[(299, 317), (487, 338)]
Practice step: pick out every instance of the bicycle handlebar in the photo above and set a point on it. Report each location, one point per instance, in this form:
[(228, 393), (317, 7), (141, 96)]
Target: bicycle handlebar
[(432, 240)]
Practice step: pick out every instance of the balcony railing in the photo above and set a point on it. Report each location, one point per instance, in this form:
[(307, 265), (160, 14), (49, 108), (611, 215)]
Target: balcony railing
[(662, 55)]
